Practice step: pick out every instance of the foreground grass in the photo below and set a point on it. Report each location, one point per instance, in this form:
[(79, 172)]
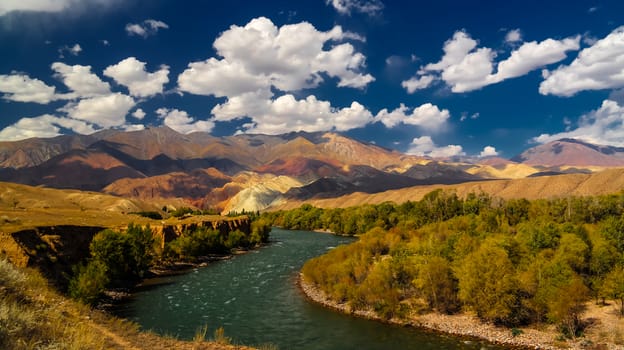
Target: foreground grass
[(34, 316)]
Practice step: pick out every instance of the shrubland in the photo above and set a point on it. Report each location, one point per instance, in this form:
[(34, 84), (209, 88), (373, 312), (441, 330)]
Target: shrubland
[(122, 258), (513, 263)]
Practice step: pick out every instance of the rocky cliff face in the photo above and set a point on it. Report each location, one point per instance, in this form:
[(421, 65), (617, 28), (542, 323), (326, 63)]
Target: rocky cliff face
[(54, 250)]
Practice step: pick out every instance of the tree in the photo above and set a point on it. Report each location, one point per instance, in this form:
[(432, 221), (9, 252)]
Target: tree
[(89, 281), (613, 286), (436, 283), (487, 284), (568, 306)]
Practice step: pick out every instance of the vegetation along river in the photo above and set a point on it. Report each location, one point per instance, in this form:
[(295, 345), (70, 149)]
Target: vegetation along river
[(254, 297)]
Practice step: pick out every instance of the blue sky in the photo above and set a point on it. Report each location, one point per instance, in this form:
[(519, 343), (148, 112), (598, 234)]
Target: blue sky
[(434, 78)]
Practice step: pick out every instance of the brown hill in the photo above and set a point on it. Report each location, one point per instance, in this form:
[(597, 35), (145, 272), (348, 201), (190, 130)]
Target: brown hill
[(193, 185), (35, 151), (79, 169), (604, 182), (571, 152)]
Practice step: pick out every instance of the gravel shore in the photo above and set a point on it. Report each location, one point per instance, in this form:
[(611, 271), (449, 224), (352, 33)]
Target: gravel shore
[(466, 325)]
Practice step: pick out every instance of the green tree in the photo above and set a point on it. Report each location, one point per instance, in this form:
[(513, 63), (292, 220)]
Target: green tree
[(487, 284), (568, 306), (89, 281), (613, 286), (437, 284)]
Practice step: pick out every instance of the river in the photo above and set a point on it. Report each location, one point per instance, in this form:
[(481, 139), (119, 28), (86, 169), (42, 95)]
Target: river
[(254, 297)]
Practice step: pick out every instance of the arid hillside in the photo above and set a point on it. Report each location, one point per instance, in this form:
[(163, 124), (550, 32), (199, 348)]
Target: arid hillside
[(604, 182)]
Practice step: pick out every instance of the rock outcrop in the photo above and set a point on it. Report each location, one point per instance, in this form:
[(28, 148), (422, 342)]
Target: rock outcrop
[(54, 250)]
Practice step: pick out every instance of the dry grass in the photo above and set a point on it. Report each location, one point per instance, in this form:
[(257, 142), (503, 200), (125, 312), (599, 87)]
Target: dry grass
[(34, 316)]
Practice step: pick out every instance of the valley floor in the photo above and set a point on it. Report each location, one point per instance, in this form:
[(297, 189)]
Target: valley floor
[(606, 329)]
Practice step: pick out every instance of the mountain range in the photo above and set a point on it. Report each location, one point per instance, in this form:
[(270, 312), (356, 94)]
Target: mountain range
[(254, 172)]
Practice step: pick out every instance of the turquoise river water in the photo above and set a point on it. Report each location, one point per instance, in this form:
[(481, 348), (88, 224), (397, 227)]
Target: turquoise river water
[(254, 297)]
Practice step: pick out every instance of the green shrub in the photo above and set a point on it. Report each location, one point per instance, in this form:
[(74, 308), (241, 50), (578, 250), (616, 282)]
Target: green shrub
[(89, 281)]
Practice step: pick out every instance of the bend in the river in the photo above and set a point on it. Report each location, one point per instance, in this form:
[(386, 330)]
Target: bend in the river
[(254, 297)]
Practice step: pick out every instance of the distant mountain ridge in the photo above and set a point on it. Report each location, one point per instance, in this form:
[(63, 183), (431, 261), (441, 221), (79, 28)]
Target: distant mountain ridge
[(253, 172), (572, 152)]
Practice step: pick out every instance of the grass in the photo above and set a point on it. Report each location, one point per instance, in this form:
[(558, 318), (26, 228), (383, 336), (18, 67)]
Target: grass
[(35, 316)]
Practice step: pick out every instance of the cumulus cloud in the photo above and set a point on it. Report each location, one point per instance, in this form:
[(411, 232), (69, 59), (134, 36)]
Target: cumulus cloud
[(146, 28), (604, 126), (105, 111), (513, 36), (289, 58), (488, 151), (42, 126), (417, 83), (532, 55), (598, 67), (21, 88), (346, 7), (426, 116), (139, 114), (286, 113), (80, 80), (181, 122), (132, 74), (465, 67), (424, 146), (259, 58)]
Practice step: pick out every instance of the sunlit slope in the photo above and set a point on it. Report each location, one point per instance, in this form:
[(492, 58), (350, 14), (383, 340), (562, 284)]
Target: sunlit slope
[(607, 181)]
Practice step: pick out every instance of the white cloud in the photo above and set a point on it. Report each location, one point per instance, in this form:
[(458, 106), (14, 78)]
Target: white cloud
[(289, 58), (80, 80), (488, 151), (424, 146), (30, 127), (72, 50), (146, 28), (465, 67), (133, 127), (260, 57), (462, 67), (465, 116), (42, 126), (132, 74), (513, 36), (138, 114), (7, 6), (426, 116), (105, 111), (471, 72), (220, 78), (286, 114), (417, 83), (598, 67), (532, 55), (181, 122), (604, 126), (21, 88), (346, 7)]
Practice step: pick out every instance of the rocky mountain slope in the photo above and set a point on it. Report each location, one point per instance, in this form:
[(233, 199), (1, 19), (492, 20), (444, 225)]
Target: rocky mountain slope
[(253, 172), (572, 152)]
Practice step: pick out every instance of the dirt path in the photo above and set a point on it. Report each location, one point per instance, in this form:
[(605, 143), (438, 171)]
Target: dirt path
[(114, 338)]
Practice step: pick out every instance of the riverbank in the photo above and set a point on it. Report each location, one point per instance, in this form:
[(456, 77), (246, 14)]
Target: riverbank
[(597, 334)]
